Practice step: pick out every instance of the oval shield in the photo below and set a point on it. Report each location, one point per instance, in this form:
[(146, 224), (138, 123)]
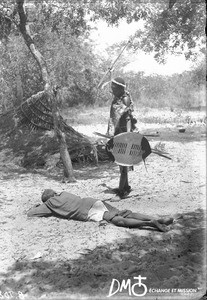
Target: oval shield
[(129, 148)]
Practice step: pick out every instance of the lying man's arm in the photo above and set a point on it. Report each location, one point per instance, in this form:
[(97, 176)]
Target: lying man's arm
[(39, 211)]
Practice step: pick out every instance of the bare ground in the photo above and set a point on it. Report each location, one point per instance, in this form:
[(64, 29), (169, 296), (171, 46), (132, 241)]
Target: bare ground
[(60, 259)]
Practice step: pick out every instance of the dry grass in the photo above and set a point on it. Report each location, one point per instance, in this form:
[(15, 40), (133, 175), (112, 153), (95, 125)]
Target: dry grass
[(100, 115)]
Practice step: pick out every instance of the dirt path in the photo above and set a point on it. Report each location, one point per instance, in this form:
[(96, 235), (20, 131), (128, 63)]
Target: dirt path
[(52, 257)]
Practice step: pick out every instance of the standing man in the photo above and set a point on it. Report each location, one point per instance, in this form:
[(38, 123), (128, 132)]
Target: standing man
[(121, 120)]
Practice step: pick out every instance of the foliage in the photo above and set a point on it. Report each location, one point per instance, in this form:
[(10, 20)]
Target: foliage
[(184, 90), (74, 71), (72, 66), (16, 60), (57, 36), (170, 26), (180, 29)]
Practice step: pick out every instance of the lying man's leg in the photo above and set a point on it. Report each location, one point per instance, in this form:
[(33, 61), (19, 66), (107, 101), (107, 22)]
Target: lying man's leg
[(134, 223), (144, 217), (127, 218)]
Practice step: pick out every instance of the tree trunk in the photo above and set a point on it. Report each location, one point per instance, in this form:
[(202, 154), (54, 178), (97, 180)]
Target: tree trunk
[(24, 29), (64, 154), (68, 171), (19, 89)]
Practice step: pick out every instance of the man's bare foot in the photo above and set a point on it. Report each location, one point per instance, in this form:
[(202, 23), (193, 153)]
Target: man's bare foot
[(159, 226), (166, 221), (115, 190), (68, 180)]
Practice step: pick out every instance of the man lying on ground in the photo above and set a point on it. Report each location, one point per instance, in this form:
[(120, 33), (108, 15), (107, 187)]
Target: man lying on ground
[(70, 206)]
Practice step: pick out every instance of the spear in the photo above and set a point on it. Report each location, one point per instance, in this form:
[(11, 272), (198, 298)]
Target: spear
[(111, 67)]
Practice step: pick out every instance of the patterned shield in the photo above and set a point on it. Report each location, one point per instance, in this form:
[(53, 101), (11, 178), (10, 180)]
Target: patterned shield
[(129, 148)]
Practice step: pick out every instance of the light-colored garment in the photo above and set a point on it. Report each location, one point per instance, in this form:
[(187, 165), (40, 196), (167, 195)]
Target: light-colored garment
[(97, 211)]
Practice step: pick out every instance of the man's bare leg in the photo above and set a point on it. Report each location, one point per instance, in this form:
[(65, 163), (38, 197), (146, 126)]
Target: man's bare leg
[(166, 221), (143, 217), (124, 188), (134, 223)]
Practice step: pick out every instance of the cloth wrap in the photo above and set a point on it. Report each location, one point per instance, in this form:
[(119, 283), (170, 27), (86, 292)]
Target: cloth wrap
[(114, 212)]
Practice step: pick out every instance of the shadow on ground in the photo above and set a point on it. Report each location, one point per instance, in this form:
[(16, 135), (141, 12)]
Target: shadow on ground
[(168, 260), (81, 171)]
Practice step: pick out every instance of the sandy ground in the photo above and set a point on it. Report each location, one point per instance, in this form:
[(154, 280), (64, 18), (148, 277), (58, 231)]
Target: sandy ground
[(51, 258)]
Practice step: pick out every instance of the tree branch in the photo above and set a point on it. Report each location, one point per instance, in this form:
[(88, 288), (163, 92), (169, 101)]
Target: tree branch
[(24, 29)]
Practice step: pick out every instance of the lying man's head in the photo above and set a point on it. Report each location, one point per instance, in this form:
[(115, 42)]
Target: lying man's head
[(47, 194)]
